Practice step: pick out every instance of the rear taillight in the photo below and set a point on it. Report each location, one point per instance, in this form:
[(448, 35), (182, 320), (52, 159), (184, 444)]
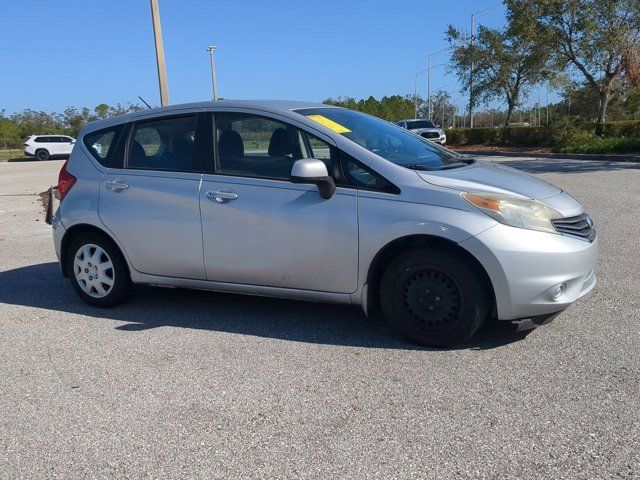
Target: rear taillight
[(65, 181)]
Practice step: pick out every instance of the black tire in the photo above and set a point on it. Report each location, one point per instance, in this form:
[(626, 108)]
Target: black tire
[(434, 297), (118, 274), (42, 155)]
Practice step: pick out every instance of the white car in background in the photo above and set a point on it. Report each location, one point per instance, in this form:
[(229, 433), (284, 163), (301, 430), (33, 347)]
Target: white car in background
[(425, 128), (44, 147)]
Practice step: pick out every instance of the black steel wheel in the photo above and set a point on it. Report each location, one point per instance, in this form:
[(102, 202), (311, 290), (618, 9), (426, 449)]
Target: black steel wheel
[(434, 297)]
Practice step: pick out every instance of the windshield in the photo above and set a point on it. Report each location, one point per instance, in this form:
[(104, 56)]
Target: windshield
[(385, 139), (414, 124)]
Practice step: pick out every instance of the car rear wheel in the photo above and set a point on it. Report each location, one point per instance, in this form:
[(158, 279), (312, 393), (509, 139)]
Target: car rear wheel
[(97, 271), (434, 297), (42, 154)]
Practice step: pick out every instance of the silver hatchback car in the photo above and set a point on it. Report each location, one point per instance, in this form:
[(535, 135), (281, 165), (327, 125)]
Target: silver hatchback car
[(313, 202)]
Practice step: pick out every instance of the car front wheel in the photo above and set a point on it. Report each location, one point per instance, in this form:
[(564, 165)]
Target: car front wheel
[(97, 271), (434, 297)]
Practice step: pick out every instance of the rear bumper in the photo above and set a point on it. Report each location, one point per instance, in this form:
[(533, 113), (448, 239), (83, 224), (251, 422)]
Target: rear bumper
[(57, 227), (534, 273)]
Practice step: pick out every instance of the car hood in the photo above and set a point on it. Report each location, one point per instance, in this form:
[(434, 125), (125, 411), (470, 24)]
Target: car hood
[(420, 131), (484, 176)]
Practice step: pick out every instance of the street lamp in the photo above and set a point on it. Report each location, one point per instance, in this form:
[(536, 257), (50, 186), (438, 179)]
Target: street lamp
[(475, 15), (442, 88), (415, 94), (429, 67), (212, 49)]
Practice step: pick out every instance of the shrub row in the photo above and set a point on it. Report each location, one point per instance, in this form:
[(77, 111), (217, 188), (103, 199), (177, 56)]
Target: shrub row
[(539, 136), (514, 136)]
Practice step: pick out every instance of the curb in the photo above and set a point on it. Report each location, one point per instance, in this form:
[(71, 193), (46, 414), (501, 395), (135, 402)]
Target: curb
[(566, 156)]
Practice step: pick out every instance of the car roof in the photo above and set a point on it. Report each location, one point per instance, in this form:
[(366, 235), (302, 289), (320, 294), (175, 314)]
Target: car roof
[(274, 106)]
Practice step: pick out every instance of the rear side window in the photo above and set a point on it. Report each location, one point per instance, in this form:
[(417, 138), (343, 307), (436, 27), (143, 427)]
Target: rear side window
[(43, 139), (165, 144), (102, 143)]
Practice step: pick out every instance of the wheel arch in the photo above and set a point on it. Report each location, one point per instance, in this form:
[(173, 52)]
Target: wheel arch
[(80, 229), (401, 244)]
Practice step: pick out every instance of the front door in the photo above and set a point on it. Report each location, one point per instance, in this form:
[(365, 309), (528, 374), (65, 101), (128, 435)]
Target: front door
[(151, 205), (261, 229)]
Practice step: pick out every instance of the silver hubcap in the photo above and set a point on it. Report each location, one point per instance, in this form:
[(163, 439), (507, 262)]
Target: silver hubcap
[(94, 270)]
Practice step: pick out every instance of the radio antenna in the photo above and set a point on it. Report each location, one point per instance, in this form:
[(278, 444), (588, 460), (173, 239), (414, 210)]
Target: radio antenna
[(148, 106)]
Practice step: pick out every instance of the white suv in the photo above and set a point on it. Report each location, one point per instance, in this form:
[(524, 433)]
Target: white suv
[(44, 147)]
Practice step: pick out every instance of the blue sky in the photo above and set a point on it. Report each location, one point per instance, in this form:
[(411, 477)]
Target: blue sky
[(82, 53)]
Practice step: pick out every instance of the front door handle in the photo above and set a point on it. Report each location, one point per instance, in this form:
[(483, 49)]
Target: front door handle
[(116, 185), (221, 196)]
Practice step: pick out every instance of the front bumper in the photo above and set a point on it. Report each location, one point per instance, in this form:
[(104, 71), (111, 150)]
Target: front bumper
[(527, 268)]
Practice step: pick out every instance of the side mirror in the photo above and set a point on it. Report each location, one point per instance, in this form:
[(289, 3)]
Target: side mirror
[(314, 171)]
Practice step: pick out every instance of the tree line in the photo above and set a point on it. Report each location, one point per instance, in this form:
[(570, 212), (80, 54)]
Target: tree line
[(592, 43), (16, 127)]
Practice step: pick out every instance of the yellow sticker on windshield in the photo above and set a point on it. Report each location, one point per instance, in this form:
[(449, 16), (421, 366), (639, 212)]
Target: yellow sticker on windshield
[(322, 120)]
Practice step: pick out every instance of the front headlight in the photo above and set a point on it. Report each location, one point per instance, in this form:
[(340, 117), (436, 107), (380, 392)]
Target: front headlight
[(515, 211)]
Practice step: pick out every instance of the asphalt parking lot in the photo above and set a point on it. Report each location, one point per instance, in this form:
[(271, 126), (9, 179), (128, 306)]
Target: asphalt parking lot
[(183, 384)]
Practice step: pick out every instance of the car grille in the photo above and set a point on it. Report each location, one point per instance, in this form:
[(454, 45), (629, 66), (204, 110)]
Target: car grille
[(579, 226), (431, 135)]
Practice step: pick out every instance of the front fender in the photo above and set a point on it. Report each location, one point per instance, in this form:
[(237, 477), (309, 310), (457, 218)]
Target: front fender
[(383, 220)]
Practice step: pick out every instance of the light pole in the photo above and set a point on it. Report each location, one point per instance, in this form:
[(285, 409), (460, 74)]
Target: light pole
[(475, 15), (162, 69), (441, 88), (415, 94), (431, 56), (455, 110), (547, 104), (214, 84)]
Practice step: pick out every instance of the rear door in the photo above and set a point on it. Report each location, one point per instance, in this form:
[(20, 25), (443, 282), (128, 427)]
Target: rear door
[(261, 229), (150, 203), (66, 145)]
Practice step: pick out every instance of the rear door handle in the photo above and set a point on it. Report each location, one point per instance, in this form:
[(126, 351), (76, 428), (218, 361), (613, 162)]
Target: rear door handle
[(221, 196), (116, 185)]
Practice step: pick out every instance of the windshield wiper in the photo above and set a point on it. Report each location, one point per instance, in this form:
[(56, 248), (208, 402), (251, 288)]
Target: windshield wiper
[(460, 163), (415, 166)]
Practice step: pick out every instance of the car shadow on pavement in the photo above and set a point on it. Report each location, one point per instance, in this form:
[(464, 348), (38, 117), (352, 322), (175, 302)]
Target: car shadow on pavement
[(263, 317), (552, 165), (34, 159)]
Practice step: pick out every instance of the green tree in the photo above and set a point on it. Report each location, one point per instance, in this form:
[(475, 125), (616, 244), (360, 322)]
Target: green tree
[(442, 109), (31, 122), (75, 119), (505, 62), (9, 131), (390, 108), (594, 38)]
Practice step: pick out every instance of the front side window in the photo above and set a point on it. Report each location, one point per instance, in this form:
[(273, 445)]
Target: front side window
[(385, 139), (165, 144), (250, 145)]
